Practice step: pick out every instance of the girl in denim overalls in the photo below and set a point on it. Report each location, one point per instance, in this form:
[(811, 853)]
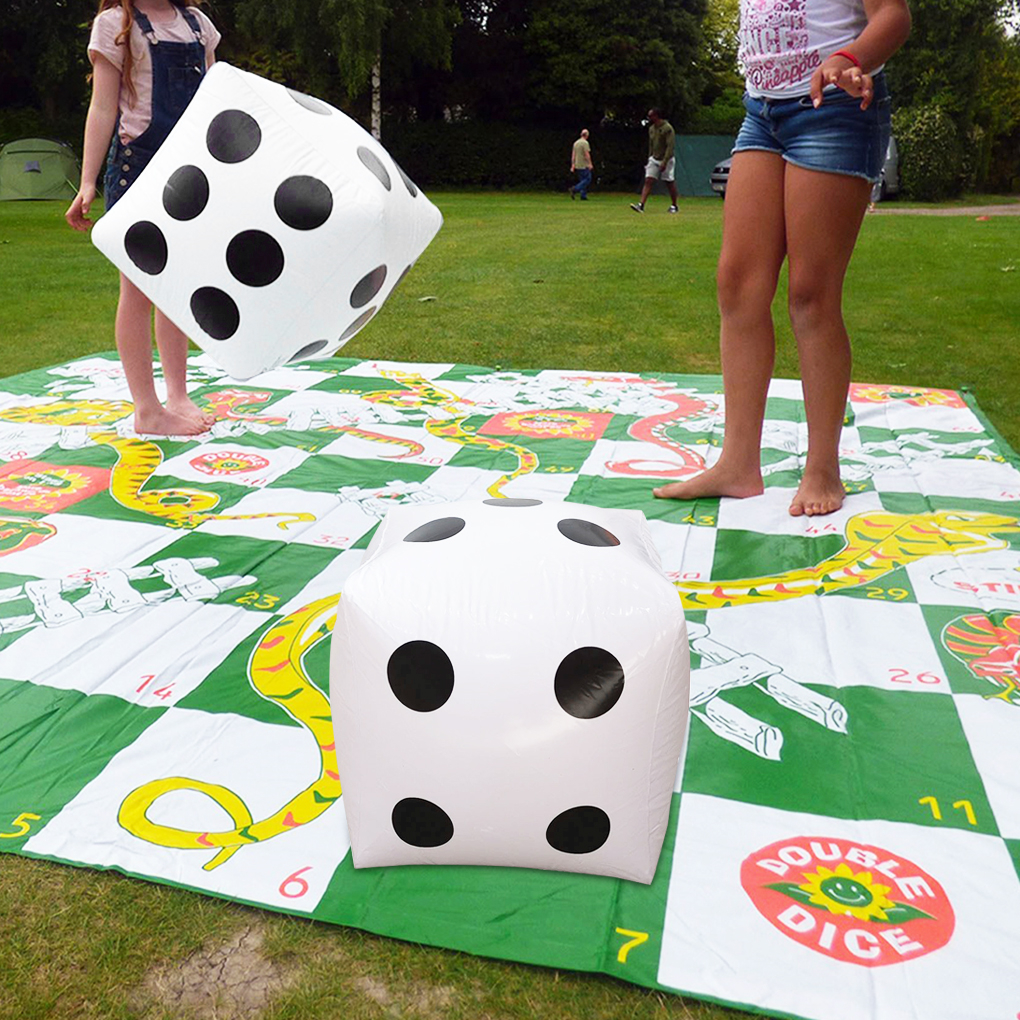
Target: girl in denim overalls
[(147, 61), (810, 147)]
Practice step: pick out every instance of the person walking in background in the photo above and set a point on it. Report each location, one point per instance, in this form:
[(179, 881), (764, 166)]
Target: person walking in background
[(148, 58), (810, 148), (581, 164), (661, 164)]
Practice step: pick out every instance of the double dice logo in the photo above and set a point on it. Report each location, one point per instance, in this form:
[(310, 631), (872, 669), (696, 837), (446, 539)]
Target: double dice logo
[(269, 226)]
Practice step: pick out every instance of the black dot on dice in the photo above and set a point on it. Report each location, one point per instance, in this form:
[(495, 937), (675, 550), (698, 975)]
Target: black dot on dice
[(368, 286), (436, 531), (254, 258), (357, 324), (421, 823), (186, 193), (233, 136), (586, 533), (308, 350), (375, 164), (588, 683), (408, 183), (512, 502), (580, 830), (215, 312), (420, 675), (146, 247), (310, 103), (303, 202)]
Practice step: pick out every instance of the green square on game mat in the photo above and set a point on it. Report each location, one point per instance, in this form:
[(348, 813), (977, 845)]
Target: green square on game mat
[(898, 748), (50, 728)]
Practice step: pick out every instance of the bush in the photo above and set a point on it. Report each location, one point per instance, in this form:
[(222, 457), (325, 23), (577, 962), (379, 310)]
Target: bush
[(930, 155)]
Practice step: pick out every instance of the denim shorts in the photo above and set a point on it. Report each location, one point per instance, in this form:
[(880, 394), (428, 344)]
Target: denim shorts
[(839, 137)]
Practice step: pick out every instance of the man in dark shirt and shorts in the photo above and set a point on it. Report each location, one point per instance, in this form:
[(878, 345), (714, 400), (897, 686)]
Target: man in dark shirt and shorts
[(661, 160)]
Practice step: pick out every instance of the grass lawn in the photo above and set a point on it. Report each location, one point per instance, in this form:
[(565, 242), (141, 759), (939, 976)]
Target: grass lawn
[(514, 280)]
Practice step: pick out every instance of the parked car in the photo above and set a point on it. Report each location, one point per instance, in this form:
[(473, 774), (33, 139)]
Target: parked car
[(888, 183)]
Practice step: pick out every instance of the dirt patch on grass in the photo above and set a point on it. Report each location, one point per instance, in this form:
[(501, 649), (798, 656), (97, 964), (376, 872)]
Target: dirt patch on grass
[(430, 1002), (227, 981)]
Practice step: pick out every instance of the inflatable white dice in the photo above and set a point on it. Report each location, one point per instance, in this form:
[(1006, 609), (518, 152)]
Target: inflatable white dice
[(510, 682), (269, 226)]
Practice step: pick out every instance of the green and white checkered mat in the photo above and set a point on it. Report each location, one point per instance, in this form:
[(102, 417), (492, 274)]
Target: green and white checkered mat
[(844, 840)]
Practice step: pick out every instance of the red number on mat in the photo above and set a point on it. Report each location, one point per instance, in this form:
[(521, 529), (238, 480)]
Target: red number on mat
[(295, 880), (904, 677)]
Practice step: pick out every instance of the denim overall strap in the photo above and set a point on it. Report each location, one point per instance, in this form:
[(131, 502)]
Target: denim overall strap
[(177, 71)]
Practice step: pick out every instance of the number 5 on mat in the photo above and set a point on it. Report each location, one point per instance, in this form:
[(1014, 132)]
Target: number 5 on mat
[(21, 824)]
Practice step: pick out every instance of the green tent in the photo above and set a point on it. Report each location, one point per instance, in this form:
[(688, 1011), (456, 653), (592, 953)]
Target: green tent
[(38, 168), (695, 157)]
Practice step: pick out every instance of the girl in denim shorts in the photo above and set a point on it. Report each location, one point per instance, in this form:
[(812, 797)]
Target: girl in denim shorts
[(811, 145), (148, 58)]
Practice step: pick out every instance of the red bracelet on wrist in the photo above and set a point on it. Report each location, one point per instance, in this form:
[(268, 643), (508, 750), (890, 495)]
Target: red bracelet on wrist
[(849, 56)]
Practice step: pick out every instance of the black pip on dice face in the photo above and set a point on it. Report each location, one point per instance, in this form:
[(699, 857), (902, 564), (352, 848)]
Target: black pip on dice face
[(257, 258), (587, 684)]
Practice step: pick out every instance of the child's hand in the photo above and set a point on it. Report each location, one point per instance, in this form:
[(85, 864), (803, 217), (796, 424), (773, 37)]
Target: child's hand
[(844, 74), (77, 214)]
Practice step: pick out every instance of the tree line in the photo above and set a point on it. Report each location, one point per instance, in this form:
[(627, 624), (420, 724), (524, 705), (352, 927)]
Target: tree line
[(548, 64)]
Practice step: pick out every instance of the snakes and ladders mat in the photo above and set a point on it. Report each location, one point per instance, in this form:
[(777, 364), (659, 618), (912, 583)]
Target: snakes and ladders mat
[(844, 836)]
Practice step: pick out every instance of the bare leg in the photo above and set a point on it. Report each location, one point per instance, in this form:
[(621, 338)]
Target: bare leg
[(173, 355), (672, 192), (823, 218), (134, 345), (753, 248)]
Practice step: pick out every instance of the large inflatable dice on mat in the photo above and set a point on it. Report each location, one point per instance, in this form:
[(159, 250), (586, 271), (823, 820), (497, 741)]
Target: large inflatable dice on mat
[(269, 226), (510, 681)]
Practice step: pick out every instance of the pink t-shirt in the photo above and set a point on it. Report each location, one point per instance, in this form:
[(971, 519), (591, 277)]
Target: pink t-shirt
[(782, 42), (135, 117)]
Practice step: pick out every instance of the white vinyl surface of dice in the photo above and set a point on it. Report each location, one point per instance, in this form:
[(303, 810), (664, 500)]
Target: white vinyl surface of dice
[(510, 684), (270, 226)]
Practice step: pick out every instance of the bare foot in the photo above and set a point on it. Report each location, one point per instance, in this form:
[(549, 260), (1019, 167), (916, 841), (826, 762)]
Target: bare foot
[(187, 408), (818, 495), (163, 422), (718, 480)]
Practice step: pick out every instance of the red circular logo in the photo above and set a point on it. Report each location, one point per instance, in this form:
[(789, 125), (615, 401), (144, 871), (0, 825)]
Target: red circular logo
[(853, 902), (229, 462)]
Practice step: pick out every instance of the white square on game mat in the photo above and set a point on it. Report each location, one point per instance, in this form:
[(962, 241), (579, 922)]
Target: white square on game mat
[(769, 514), (152, 657), (981, 581), (648, 463), (83, 543), (273, 514), (264, 766), (231, 462), (394, 444), (716, 944), (817, 641)]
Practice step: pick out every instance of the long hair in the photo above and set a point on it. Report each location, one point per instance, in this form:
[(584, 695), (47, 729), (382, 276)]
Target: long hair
[(123, 37)]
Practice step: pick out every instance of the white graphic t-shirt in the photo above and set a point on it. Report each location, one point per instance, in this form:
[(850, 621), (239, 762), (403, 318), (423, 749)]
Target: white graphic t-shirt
[(782, 42)]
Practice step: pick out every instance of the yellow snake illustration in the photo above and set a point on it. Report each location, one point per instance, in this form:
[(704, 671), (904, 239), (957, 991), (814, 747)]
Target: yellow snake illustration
[(69, 412), (877, 542), (276, 672), (138, 460), (420, 392)]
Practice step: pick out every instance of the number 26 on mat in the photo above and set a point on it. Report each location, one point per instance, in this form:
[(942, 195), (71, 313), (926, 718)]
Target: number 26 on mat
[(21, 826)]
